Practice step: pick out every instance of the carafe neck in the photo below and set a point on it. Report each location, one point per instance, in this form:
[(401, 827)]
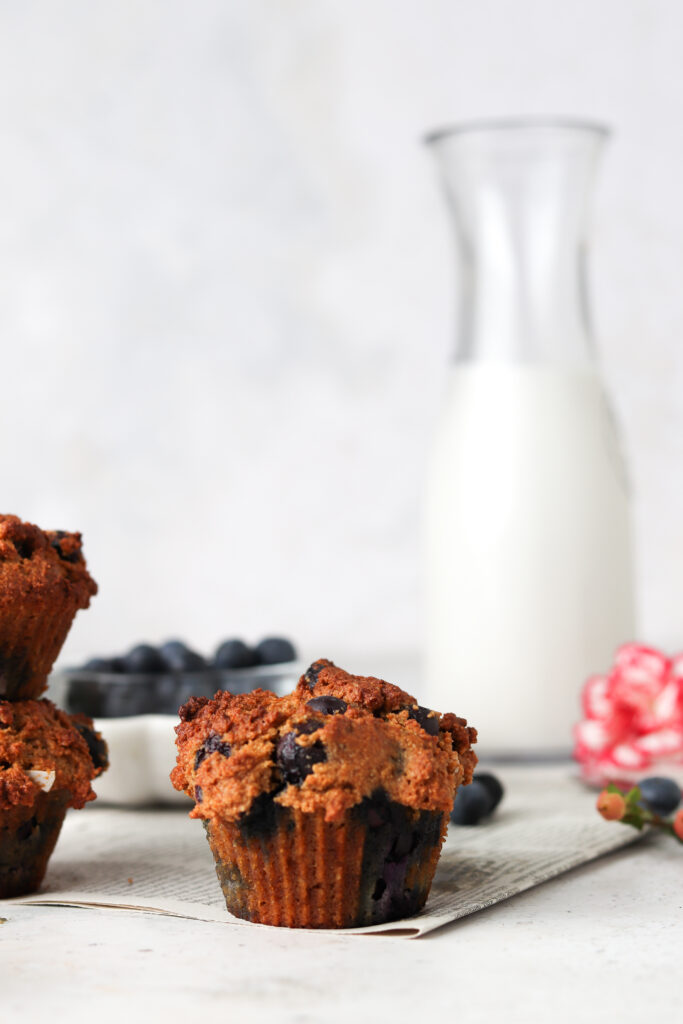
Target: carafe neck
[(519, 193)]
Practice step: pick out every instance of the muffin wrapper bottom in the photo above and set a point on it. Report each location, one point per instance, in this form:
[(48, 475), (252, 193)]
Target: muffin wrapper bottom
[(300, 871), (27, 838), (29, 645)]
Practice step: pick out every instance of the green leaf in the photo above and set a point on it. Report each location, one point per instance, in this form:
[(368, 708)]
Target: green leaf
[(633, 796), (612, 788)]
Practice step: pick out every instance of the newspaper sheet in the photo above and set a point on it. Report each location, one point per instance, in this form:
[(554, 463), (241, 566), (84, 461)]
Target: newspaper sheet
[(159, 860)]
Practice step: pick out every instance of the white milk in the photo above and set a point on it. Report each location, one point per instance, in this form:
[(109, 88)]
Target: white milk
[(529, 587)]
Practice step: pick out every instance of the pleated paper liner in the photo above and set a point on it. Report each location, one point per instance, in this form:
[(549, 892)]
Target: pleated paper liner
[(296, 870), (28, 835), (30, 640)]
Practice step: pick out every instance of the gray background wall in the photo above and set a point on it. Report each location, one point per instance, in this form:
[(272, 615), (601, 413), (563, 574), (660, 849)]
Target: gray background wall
[(226, 292)]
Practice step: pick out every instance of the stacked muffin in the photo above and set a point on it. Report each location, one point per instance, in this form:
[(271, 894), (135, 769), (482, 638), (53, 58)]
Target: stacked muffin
[(47, 757), (326, 808)]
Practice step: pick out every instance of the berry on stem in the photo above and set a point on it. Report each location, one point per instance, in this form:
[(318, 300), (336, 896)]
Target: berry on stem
[(632, 808), (677, 824), (611, 806)]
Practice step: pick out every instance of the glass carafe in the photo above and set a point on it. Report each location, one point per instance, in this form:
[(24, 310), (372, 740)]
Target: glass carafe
[(528, 550)]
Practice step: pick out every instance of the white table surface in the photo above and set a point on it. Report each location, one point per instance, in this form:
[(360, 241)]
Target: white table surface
[(603, 943)]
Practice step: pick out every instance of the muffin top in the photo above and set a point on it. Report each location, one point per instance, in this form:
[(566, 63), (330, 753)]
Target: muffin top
[(337, 739), (43, 748), (37, 564)]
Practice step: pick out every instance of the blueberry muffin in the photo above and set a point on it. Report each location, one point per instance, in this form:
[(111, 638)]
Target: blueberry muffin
[(326, 808), (47, 762), (43, 583)]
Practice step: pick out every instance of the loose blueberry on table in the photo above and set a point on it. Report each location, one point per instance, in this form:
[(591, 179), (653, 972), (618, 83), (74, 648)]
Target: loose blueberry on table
[(659, 795), (477, 800)]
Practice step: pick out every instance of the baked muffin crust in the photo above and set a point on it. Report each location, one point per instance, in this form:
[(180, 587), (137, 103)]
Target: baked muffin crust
[(334, 742), (37, 562), (43, 582), (41, 746)]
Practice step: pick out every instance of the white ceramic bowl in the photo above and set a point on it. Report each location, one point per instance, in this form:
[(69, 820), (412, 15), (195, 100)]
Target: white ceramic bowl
[(142, 753)]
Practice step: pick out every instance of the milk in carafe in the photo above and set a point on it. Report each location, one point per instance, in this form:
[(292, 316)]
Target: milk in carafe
[(529, 585)]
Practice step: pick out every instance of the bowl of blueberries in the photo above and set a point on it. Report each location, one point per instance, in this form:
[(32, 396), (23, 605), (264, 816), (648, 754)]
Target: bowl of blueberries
[(151, 680), (134, 700)]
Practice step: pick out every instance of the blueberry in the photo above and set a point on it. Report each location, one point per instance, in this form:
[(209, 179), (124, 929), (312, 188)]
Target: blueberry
[(404, 844), (263, 818), (25, 548), (235, 654), (426, 718), (213, 744), (178, 657), (472, 803), (327, 705), (143, 658), (379, 889), (660, 795), (27, 828), (68, 556), (492, 786), (313, 671), (297, 762), (97, 748), (172, 647), (377, 808), (307, 727), (274, 650)]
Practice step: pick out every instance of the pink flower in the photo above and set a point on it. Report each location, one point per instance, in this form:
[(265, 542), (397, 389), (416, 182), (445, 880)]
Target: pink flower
[(633, 717)]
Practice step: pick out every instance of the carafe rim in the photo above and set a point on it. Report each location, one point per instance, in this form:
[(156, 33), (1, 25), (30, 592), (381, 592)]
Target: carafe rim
[(516, 124)]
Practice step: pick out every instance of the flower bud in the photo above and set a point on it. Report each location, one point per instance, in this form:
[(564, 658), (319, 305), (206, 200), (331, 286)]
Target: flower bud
[(611, 806)]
